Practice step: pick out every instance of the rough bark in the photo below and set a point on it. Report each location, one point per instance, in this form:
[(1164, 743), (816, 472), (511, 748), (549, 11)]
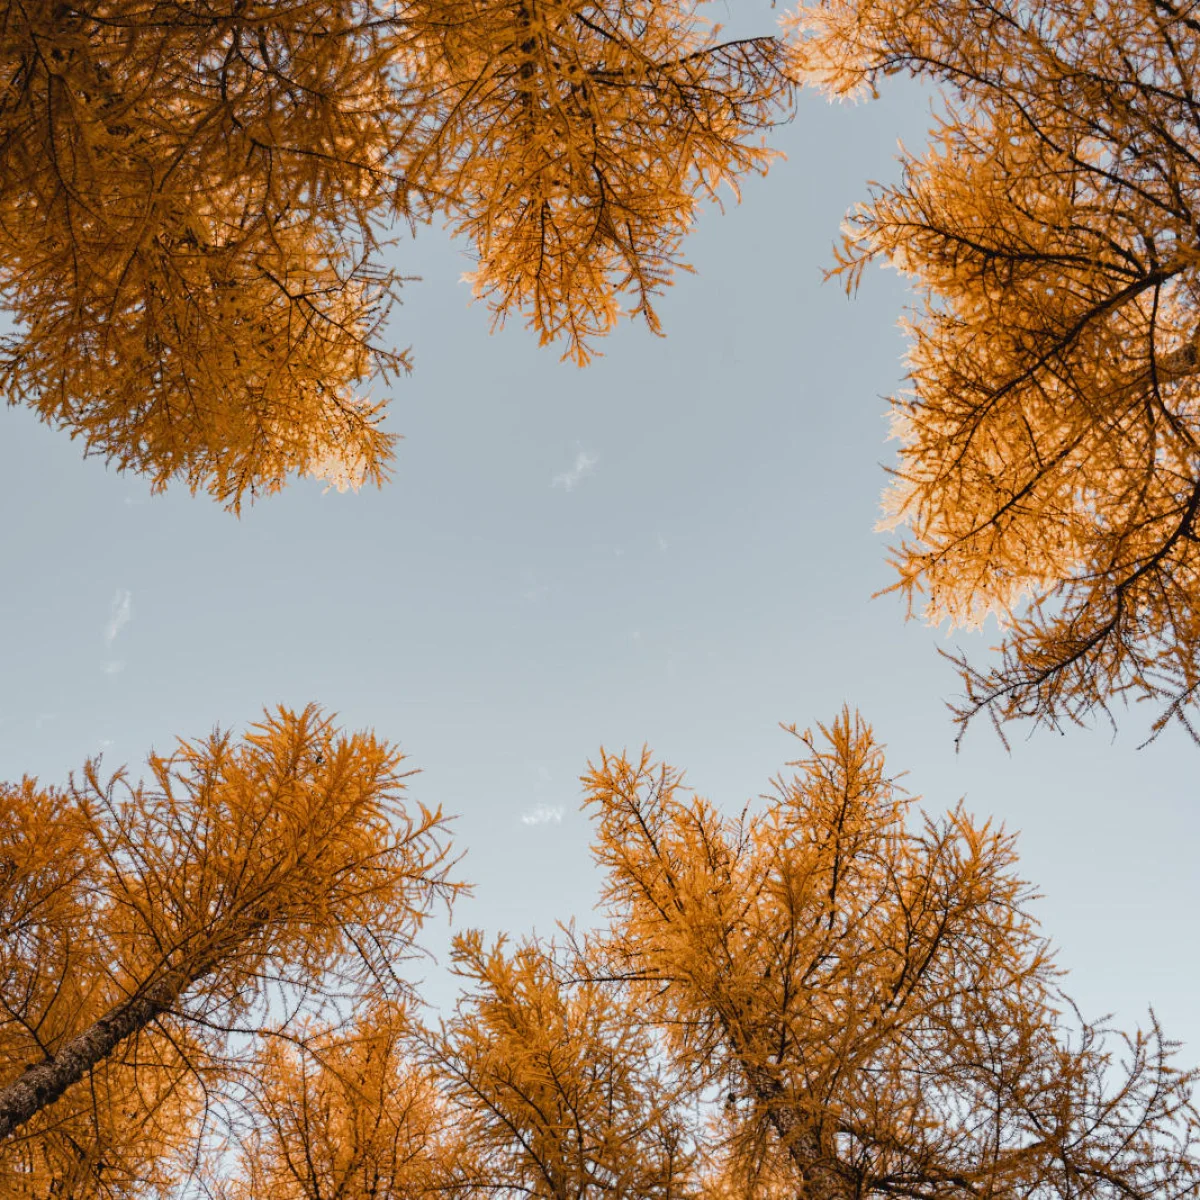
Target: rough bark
[(44, 1082), (822, 1175)]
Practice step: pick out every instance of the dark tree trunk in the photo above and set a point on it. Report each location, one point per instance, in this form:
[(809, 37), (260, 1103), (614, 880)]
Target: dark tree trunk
[(43, 1083), (822, 1175)]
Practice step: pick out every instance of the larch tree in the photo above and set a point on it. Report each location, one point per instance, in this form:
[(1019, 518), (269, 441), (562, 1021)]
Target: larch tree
[(152, 935), (1049, 463), (555, 1083), (542, 1085), (824, 998), (194, 199), (573, 141), (122, 1126), (868, 995), (349, 1112), (190, 199)]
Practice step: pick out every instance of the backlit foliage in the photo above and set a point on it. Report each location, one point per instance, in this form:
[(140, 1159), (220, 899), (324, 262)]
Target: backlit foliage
[(193, 201), (869, 994), (575, 139), (1049, 467), (554, 1082), (115, 1134), (825, 997), (351, 1114), (189, 199), (249, 889)]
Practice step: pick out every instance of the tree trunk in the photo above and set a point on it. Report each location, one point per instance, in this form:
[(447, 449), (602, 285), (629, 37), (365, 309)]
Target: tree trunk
[(823, 1179), (43, 1083)]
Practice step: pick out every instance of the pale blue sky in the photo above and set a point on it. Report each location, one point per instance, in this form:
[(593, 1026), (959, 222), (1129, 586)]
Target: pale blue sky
[(674, 546)]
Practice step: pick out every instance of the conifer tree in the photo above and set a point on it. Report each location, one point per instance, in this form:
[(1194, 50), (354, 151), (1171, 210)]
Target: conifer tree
[(153, 934), (194, 201), (823, 997), (1048, 470), (868, 994), (575, 140), (554, 1081), (349, 1112)]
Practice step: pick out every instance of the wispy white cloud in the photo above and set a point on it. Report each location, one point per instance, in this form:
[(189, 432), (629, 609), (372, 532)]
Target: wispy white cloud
[(583, 465), (120, 613), (114, 667), (542, 814), (662, 542)]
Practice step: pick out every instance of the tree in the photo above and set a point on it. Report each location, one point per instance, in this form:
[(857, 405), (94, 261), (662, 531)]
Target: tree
[(350, 1112), (121, 1126), (189, 201), (541, 1085), (822, 998), (1048, 467), (193, 200), (150, 934), (573, 139), (871, 998), (555, 1084)]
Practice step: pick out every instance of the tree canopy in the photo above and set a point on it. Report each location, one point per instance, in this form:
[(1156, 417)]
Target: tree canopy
[(1049, 471), (195, 203), (154, 935), (194, 200), (830, 995), (866, 995)]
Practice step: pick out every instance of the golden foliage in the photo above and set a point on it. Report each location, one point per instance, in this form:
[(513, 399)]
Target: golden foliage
[(870, 996), (114, 1135), (555, 1085), (188, 205), (193, 198), (825, 997), (1048, 471), (350, 1113), (143, 926), (574, 139)]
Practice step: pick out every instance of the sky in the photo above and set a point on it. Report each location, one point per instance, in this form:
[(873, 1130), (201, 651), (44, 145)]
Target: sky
[(674, 546)]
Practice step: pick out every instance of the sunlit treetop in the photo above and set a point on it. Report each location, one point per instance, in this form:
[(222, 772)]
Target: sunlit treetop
[(863, 991), (829, 994), (1049, 467), (194, 202), (156, 936)]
